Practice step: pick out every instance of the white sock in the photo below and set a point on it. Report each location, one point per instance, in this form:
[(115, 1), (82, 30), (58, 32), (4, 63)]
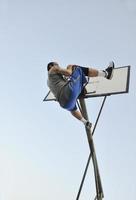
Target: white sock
[(83, 120), (101, 73)]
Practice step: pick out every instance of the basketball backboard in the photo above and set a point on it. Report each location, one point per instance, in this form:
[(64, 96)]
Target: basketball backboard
[(99, 86)]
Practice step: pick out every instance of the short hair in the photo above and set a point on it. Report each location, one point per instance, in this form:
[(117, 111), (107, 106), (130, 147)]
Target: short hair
[(50, 65)]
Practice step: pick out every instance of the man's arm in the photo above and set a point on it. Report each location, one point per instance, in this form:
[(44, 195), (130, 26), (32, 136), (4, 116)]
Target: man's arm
[(66, 72), (59, 70)]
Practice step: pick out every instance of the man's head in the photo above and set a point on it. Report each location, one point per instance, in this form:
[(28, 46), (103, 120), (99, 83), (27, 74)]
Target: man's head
[(51, 64)]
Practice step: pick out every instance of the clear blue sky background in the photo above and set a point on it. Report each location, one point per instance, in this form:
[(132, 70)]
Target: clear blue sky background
[(43, 150)]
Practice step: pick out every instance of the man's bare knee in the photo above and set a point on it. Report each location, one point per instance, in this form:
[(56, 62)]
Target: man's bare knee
[(92, 72)]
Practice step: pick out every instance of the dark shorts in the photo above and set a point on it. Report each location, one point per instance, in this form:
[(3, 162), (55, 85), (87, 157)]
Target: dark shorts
[(73, 89)]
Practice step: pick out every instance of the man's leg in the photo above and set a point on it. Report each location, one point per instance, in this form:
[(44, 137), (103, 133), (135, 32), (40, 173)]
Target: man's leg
[(72, 90), (90, 72), (107, 73), (77, 114), (76, 84), (93, 72)]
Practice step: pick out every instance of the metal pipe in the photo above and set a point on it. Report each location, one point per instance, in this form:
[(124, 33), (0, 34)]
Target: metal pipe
[(99, 189)]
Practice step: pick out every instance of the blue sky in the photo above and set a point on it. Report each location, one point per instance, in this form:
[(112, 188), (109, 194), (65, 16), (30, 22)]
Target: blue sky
[(43, 150)]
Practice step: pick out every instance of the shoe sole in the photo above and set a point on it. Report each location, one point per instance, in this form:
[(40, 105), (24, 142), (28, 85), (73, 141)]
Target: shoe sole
[(111, 74), (112, 71)]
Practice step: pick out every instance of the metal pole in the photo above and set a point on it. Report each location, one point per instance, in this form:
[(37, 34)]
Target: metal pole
[(84, 175), (99, 190), (89, 158)]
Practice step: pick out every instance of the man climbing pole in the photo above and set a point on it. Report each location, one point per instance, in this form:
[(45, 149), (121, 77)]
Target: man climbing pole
[(67, 84)]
